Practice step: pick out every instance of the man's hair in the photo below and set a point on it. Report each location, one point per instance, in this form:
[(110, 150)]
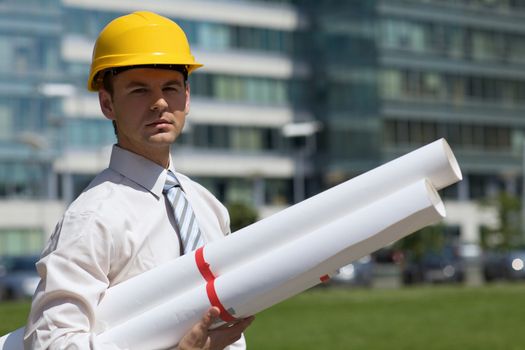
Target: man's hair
[(107, 77), (108, 74)]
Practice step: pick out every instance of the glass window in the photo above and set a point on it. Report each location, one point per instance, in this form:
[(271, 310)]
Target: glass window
[(432, 86), (239, 190), (21, 241), (49, 54), (221, 88), (248, 139), (278, 191), (235, 89), (213, 36), (22, 55), (478, 135), (450, 88), (19, 179), (236, 137), (484, 46), (456, 42), (391, 84), (465, 136), (219, 136), (453, 41), (89, 133), (516, 49), (253, 90), (6, 57), (416, 132), (5, 121)]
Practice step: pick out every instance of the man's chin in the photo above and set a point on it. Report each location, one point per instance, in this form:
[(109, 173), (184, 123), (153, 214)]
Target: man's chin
[(162, 139)]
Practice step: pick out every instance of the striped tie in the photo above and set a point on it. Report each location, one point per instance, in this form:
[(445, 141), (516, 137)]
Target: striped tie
[(189, 232)]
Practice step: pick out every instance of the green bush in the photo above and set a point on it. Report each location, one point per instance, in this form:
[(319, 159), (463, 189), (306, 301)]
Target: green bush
[(241, 215)]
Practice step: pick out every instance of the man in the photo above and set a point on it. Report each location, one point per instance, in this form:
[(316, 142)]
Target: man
[(125, 223)]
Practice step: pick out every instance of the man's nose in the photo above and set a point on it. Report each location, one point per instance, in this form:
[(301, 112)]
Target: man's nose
[(159, 104)]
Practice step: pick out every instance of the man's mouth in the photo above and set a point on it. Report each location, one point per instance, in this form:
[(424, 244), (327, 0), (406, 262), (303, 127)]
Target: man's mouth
[(159, 123)]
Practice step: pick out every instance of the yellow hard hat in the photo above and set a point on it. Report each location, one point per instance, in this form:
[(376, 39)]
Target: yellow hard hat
[(140, 38)]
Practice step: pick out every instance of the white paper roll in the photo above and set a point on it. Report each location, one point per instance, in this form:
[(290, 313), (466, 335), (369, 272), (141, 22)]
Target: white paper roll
[(162, 326), (126, 300), (344, 240), (146, 291), (434, 162), (287, 270)]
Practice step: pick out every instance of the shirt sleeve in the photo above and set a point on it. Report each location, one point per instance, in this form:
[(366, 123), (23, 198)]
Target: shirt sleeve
[(238, 345), (73, 271)]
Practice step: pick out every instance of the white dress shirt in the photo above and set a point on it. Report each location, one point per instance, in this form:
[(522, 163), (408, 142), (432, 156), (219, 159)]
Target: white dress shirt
[(119, 227)]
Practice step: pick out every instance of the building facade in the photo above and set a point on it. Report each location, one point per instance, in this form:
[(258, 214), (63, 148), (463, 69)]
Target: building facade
[(295, 96), (233, 141), (398, 74)]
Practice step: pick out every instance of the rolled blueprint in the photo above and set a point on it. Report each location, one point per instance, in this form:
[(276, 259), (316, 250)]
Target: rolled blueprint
[(360, 234), (133, 297), (434, 162), (287, 270)]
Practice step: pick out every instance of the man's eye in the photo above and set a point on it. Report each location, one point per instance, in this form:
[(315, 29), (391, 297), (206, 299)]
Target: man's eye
[(171, 88), (138, 91)]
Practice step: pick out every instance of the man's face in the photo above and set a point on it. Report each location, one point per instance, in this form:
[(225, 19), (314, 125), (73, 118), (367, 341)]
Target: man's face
[(149, 107)]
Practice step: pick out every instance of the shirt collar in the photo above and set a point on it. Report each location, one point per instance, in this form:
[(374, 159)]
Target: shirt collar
[(140, 170)]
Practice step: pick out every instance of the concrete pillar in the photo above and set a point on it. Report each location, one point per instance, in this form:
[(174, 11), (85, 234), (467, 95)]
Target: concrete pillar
[(464, 189), (259, 187), (511, 185), (67, 187), (52, 184)]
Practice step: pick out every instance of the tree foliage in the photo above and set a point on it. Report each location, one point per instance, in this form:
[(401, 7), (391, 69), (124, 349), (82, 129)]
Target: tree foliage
[(241, 215), (430, 238), (508, 234)]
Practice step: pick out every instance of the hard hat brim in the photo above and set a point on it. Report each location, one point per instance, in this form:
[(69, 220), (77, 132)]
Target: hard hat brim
[(160, 59)]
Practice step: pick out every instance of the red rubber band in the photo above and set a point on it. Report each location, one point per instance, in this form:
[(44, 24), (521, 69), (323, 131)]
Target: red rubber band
[(214, 300), (203, 266), (204, 269)]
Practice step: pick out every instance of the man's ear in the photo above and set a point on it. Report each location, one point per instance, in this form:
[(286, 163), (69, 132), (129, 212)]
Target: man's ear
[(106, 104), (188, 99)]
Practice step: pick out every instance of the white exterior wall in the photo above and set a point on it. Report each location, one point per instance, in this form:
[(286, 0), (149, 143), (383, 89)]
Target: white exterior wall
[(470, 216), (266, 15), (23, 214)]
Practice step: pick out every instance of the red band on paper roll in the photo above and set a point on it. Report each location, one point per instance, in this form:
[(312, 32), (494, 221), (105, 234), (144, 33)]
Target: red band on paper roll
[(204, 269), (214, 300), (203, 266)]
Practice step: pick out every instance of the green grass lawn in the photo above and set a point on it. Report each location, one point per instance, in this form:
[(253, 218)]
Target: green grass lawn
[(427, 318), (13, 315)]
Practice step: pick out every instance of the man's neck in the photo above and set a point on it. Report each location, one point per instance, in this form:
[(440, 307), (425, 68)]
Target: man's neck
[(160, 156)]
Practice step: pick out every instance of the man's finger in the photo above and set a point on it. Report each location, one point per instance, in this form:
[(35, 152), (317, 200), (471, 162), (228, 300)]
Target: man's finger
[(198, 336), (222, 337), (209, 318), (244, 321)]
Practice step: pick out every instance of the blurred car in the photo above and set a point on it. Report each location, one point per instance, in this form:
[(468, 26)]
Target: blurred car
[(18, 277), (357, 273), (509, 265), (442, 266)]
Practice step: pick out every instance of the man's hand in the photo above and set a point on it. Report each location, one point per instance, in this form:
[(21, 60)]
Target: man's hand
[(200, 337)]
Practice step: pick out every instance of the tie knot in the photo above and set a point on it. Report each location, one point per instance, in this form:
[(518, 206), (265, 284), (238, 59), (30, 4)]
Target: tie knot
[(171, 181)]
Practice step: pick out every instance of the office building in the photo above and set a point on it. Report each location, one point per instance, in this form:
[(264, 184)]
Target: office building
[(295, 97)]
